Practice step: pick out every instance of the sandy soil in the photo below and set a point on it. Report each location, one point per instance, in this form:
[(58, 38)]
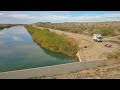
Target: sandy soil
[(94, 50)]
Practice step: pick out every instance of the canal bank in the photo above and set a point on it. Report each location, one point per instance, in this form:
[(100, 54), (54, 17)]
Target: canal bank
[(2, 26), (53, 41), (55, 69)]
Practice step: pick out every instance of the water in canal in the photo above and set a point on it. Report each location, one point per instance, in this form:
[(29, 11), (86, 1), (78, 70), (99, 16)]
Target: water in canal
[(18, 51)]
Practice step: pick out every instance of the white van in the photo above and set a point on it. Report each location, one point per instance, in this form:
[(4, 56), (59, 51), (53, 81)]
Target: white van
[(97, 37)]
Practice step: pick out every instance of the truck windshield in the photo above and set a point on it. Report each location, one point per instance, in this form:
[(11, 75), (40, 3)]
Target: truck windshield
[(99, 37)]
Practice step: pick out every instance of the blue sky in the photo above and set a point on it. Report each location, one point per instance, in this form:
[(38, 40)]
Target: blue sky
[(11, 17)]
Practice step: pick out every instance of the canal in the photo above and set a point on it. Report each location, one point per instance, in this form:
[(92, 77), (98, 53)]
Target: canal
[(18, 51)]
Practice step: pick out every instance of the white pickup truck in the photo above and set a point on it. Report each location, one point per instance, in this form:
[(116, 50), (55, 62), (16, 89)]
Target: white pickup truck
[(97, 37)]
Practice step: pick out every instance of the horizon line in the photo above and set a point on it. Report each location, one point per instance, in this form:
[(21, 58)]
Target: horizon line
[(65, 22)]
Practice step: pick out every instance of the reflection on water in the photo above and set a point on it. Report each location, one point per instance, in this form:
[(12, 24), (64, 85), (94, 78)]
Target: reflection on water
[(19, 51), (55, 54)]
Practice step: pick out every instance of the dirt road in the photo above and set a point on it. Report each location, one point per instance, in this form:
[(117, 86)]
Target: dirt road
[(103, 72), (89, 50)]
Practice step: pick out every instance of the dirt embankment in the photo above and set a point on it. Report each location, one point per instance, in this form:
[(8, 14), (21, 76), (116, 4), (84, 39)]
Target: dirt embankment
[(2, 26), (88, 49)]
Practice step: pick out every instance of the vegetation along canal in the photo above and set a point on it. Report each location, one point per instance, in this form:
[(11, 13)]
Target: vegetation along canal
[(18, 51)]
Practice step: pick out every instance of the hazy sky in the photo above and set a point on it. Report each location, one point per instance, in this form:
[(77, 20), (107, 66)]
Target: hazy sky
[(57, 16)]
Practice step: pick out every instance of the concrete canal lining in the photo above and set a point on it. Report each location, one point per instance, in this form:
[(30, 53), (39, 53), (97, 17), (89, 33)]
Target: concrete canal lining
[(55, 69)]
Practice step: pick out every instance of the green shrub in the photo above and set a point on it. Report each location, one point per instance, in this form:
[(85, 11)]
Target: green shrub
[(105, 31)]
